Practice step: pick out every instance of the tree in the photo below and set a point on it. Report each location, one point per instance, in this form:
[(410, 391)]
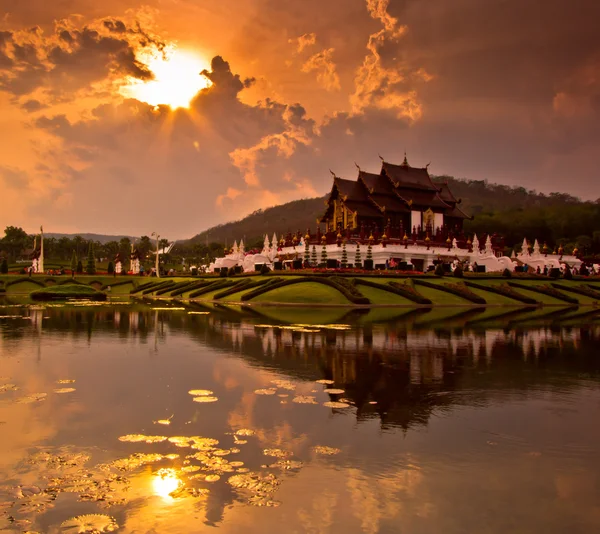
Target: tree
[(313, 256), (357, 258), (14, 241), (369, 252), (344, 256), (111, 268), (91, 261), (144, 246), (4, 266), (74, 264), (79, 267), (324, 254)]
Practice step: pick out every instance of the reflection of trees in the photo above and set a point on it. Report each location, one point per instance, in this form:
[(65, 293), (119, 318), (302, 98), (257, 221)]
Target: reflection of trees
[(389, 371)]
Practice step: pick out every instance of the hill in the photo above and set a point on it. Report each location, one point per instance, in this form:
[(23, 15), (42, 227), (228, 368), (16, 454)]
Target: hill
[(290, 217), (514, 212)]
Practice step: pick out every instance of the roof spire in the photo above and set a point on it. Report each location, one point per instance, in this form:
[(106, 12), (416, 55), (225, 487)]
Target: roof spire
[(332, 173), (380, 157), (405, 162), (357, 166)]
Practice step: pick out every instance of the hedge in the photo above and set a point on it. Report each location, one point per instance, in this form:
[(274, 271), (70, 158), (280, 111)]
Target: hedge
[(24, 279), (546, 290), (504, 290), (218, 284), (121, 283), (454, 289), (240, 286), (581, 290), (167, 283), (350, 288), (350, 295), (141, 287), (71, 281), (402, 290), (173, 287), (191, 287)]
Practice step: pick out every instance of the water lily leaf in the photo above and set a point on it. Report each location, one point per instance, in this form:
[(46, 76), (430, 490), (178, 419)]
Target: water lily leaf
[(212, 478), (324, 381), (325, 451), (334, 391), (284, 384), (277, 453), (205, 399), (265, 391), (139, 438), (8, 387), (65, 381), (64, 390), (244, 432), (286, 465), (92, 523), (304, 399), (336, 404), (200, 392), (34, 397)]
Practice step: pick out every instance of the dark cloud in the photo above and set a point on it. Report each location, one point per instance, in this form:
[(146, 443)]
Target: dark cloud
[(71, 59), (31, 106)]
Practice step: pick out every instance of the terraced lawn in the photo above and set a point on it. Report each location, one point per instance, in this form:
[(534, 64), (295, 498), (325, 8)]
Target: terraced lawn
[(305, 293), (380, 296), (441, 297)]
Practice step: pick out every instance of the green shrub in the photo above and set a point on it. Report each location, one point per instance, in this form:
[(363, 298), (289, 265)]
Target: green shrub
[(579, 290), (79, 267), (458, 272), (111, 268), (439, 270), (568, 275), (217, 284), (192, 287), (407, 291), (24, 279), (265, 269), (157, 287), (240, 286), (91, 261), (68, 291), (4, 267), (506, 273)]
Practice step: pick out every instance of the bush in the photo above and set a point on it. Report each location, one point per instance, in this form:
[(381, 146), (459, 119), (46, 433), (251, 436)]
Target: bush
[(157, 287), (265, 269), (568, 275), (458, 272), (192, 286), (439, 270), (79, 267), (240, 286), (368, 265), (70, 291), (24, 279), (194, 271), (506, 273), (223, 272), (111, 268), (231, 271), (217, 284), (4, 267)]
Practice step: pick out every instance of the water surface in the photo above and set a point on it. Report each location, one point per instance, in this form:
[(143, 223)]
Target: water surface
[(436, 423)]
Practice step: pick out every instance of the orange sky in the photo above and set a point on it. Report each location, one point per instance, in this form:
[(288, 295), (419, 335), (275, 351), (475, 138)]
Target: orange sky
[(503, 91)]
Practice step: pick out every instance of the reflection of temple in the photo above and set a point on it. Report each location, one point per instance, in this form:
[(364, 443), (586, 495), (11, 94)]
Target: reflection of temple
[(393, 372)]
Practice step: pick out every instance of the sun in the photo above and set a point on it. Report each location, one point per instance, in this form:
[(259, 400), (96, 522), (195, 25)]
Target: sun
[(176, 80)]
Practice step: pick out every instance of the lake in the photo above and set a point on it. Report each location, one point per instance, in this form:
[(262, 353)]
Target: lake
[(126, 418)]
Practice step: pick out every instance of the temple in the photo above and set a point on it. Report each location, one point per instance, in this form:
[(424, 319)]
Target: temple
[(400, 200)]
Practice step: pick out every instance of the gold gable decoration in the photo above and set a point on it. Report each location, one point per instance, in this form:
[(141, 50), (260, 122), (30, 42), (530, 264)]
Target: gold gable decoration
[(428, 217)]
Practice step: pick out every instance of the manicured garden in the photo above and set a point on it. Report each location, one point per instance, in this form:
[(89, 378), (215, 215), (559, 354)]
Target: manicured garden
[(322, 289)]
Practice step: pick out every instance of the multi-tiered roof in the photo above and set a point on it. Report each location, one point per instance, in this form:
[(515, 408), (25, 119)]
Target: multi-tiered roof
[(397, 189)]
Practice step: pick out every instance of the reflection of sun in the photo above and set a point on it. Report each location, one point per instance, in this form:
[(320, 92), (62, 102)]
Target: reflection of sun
[(165, 482), (176, 80)]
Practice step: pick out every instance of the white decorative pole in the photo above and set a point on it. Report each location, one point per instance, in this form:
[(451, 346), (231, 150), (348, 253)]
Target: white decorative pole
[(41, 260), (157, 254)]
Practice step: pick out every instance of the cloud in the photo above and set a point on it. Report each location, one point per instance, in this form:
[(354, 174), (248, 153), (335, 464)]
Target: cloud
[(323, 64), (70, 59), (304, 41)]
